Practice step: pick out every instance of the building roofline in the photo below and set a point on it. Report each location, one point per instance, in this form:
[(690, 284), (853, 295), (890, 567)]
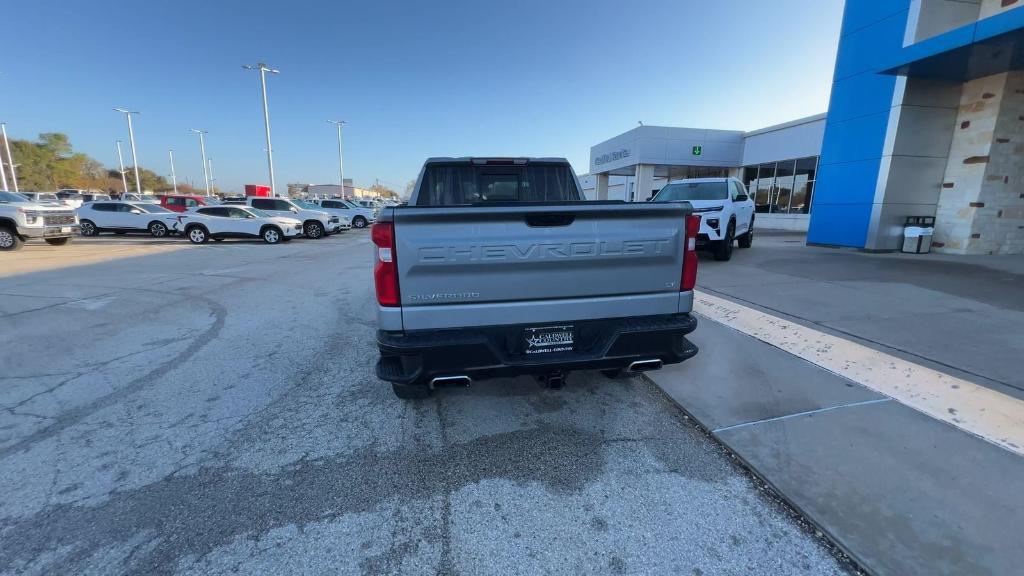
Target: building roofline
[(784, 125)]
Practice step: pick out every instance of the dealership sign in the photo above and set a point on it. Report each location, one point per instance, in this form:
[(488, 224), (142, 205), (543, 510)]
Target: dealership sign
[(612, 156)]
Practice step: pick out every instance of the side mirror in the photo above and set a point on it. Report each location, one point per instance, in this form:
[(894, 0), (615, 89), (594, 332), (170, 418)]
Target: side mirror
[(294, 210), (136, 211), (741, 198)]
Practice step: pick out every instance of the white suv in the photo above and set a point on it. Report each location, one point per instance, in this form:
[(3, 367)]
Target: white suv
[(315, 224), (359, 216), (22, 219), (726, 211)]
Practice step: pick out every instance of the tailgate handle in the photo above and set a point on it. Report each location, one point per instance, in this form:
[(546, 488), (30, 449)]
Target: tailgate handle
[(541, 220)]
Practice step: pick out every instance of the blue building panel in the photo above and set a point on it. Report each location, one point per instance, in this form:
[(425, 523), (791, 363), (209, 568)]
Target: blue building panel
[(847, 183), (861, 95), (1003, 23), (855, 135), (840, 225), (860, 138), (859, 15), (863, 50)]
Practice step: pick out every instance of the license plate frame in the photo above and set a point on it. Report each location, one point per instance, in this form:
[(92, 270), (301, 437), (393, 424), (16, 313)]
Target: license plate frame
[(549, 339)]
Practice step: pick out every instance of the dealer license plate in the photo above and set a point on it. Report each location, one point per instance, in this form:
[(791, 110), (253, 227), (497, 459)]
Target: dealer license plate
[(549, 339), (65, 230)]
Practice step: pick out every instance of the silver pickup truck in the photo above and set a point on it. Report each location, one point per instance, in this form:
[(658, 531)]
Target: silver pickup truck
[(498, 267)]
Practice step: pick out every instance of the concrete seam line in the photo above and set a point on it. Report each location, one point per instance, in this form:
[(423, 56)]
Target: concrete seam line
[(799, 414), (983, 412)]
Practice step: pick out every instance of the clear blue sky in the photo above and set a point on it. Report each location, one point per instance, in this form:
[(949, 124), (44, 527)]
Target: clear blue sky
[(414, 79)]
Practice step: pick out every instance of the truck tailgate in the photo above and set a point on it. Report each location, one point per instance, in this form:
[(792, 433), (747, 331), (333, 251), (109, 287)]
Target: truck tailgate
[(508, 264)]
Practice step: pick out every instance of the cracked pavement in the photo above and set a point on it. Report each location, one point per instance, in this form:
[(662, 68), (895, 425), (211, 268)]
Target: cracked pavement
[(214, 410)]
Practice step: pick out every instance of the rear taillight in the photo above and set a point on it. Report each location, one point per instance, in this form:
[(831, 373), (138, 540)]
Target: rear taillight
[(385, 271), (689, 279)]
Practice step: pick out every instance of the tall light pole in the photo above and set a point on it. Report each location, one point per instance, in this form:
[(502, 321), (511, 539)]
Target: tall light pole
[(174, 175), (120, 163), (341, 160), (3, 174), (202, 149), (263, 68), (10, 159), (209, 162), (131, 139)]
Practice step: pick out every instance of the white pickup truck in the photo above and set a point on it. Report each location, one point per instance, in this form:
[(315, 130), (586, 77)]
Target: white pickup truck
[(498, 267), (22, 219)]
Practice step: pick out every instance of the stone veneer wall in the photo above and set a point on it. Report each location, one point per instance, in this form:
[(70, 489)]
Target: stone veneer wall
[(981, 206), (993, 7)]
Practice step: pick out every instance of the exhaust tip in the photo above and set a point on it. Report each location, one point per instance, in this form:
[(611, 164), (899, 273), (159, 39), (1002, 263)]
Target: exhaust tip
[(644, 366), (450, 381)]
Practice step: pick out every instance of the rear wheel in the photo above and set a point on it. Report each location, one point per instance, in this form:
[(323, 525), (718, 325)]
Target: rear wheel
[(9, 240), (314, 230), (197, 235), (410, 392), (359, 222), (157, 229), (723, 248), (747, 240), (87, 228), (58, 241)]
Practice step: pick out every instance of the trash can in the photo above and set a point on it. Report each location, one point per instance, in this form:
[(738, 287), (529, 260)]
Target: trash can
[(917, 234)]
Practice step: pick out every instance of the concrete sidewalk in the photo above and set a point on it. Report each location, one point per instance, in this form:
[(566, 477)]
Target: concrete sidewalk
[(962, 315), (902, 492)]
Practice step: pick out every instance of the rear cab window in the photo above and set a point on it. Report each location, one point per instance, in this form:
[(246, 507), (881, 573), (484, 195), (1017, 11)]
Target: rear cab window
[(465, 183)]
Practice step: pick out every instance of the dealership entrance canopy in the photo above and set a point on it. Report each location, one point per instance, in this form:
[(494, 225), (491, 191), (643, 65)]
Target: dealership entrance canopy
[(926, 119)]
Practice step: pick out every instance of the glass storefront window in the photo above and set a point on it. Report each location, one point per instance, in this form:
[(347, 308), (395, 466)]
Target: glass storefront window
[(763, 187), (783, 189)]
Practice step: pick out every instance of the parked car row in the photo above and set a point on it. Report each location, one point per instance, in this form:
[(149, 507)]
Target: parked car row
[(271, 219)]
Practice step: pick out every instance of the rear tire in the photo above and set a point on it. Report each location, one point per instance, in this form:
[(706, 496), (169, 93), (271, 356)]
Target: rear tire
[(9, 239), (157, 229), (410, 391), (197, 235), (87, 228), (58, 241), (747, 240), (723, 248), (314, 230)]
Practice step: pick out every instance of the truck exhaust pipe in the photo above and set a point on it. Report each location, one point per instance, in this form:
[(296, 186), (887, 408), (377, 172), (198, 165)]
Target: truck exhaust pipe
[(450, 381), (644, 366)]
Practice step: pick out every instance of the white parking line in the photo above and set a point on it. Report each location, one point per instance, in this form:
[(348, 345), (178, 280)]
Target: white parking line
[(981, 411)]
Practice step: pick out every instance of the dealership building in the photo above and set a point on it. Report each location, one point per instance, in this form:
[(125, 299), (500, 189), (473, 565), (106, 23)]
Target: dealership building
[(926, 119)]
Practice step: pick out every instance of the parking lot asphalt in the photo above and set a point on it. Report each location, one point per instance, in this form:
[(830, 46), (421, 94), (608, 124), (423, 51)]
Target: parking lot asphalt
[(214, 410)]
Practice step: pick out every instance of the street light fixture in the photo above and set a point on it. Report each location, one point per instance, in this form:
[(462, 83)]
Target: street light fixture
[(120, 163), (174, 175), (263, 68), (341, 161), (10, 159), (202, 149), (131, 139)]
